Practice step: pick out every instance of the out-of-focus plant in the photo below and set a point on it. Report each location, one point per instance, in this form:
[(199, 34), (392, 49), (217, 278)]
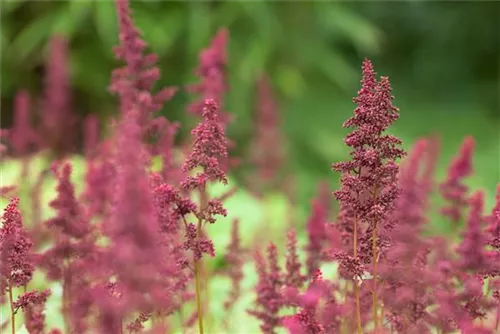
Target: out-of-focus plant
[(176, 31)]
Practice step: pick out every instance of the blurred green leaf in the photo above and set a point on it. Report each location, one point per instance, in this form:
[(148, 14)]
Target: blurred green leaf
[(159, 31), (334, 66), (264, 18), (337, 19), (227, 13), (252, 60), (7, 7), (4, 36), (33, 36), (104, 13), (290, 80), (155, 5), (198, 27), (93, 82), (70, 18)]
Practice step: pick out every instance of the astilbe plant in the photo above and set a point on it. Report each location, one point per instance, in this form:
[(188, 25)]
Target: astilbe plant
[(129, 251)]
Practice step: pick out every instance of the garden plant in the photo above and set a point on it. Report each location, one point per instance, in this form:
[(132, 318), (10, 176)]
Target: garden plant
[(136, 248)]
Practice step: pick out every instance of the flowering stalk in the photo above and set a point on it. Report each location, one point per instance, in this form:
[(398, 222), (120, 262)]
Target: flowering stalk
[(369, 185), (210, 146)]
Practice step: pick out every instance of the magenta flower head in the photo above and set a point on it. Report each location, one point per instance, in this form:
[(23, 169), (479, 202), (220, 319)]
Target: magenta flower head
[(267, 151), (410, 204), (71, 218), (317, 230), (210, 146), (211, 71), (494, 223), (91, 135), (57, 120), (33, 304), (134, 253), (453, 189), (234, 260), (369, 187), (22, 136), (473, 255), (134, 82), (269, 298), (15, 245), (293, 277), (133, 205)]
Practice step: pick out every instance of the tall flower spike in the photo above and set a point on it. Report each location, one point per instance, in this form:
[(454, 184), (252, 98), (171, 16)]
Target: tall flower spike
[(269, 299), (293, 277), (15, 245), (316, 230), (453, 189), (210, 145), (71, 220), (211, 71), (267, 152), (22, 136), (369, 185), (410, 205), (134, 82), (134, 253), (369, 180), (91, 135), (58, 122), (234, 259), (133, 205), (473, 255), (494, 223)]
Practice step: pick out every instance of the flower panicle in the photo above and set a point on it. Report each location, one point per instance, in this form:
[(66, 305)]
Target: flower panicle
[(211, 71), (210, 146), (15, 245), (234, 259), (453, 190)]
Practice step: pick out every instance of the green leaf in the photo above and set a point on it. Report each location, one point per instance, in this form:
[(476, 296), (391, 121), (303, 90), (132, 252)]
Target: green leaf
[(154, 5), (198, 31), (264, 19), (253, 60), (93, 81), (331, 63), (160, 32), (7, 7), (106, 23), (4, 35), (290, 80), (70, 18), (32, 36), (338, 20)]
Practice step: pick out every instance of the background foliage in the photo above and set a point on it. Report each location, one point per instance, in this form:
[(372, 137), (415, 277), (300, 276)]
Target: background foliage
[(442, 57)]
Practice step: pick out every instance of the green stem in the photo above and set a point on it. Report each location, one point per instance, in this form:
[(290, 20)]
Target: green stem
[(12, 311), (356, 286), (198, 289), (375, 269)]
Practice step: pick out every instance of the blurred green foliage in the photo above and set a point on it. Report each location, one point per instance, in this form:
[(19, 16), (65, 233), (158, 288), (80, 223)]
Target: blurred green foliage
[(442, 57), (287, 40)]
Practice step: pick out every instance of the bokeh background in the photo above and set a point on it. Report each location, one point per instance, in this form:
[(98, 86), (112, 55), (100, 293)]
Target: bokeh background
[(442, 57)]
